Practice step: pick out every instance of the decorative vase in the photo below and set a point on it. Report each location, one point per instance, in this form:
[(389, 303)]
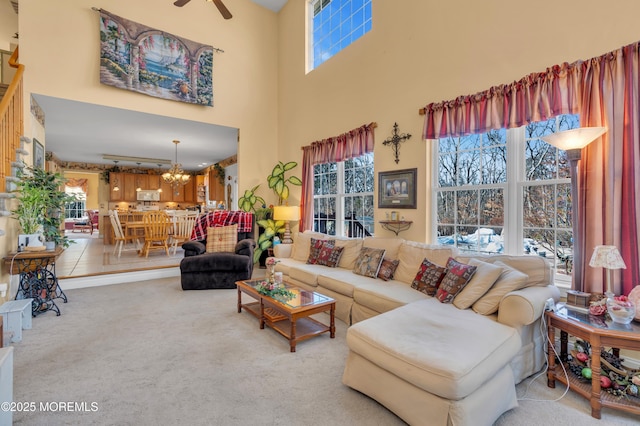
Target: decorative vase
[(621, 309), (272, 274)]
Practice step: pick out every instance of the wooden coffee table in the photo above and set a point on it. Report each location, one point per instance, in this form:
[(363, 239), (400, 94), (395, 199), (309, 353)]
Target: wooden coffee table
[(292, 318)]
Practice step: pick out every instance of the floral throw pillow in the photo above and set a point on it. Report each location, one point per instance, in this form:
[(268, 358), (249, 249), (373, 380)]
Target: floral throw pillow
[(387, 269), (457, 276), (329, 255), (368, 262), (314, 249), (428, 278)]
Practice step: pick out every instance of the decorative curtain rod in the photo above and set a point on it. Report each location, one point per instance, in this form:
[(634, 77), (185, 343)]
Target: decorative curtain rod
[(97, 9)]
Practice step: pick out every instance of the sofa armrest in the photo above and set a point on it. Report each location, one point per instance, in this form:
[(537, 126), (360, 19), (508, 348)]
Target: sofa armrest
[(282, 251), (194, 248), (523, 307), (246, 247)]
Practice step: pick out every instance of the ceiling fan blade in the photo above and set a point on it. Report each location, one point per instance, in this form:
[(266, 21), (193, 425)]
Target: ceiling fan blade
[(223, 9), (181, 3)]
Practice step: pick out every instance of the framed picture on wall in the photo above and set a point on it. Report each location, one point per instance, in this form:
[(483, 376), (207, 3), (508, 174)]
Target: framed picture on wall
[(38, 154), (397, 189)]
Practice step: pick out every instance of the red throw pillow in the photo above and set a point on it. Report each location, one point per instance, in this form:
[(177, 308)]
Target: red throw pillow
[(314, 249), (329, 255), (428, 278), (457, 276)]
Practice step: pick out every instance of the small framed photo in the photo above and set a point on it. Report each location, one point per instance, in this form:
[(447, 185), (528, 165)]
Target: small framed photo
[(38, 154), (397, 189)]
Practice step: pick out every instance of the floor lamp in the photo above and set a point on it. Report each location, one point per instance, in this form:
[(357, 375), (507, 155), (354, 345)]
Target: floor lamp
[(572, 141), (286, 213)]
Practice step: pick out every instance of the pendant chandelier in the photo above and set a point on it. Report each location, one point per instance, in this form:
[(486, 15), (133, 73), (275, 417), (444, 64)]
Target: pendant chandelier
[(176, 176)]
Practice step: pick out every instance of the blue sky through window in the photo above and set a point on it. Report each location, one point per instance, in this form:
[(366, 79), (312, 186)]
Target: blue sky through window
[(337, 24)]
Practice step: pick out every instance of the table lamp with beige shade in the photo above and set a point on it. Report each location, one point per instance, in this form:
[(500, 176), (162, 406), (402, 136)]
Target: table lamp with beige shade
[(620, 310), (288, 214)]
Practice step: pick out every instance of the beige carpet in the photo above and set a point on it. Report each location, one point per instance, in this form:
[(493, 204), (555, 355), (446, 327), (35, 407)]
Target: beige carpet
[(149, 353)]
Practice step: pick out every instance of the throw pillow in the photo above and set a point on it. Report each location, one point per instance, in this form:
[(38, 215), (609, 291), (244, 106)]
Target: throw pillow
[(329, 255), (222, 238), (314, 249), (368, 262), (457, 276), (387, 269), (428, 277), (510, 280), (481, 282)]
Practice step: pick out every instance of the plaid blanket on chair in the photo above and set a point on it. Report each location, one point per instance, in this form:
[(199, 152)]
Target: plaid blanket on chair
[(221, 218)]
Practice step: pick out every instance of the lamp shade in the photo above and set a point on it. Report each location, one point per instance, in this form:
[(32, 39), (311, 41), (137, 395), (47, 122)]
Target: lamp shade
[(291, 213), (607, 257), (574, 138)]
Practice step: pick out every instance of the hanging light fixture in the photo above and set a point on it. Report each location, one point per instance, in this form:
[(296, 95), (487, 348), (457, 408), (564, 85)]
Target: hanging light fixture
[(176, 176), (116, 184), (138, 186)]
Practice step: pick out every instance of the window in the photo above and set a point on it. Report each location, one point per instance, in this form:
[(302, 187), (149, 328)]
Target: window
[(75, 209), (507, 191), (343, 197), (335, 24)]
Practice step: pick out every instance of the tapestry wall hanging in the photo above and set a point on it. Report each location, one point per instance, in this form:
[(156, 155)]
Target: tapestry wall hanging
[(145, 60)]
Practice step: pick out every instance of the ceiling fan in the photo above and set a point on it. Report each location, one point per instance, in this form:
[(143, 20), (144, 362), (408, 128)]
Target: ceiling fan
[(221, 7)]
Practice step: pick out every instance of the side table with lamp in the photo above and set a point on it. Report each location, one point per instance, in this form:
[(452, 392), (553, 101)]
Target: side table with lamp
[(288, 214)]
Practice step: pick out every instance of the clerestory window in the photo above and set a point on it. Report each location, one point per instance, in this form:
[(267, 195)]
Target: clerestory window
[(334, 25)]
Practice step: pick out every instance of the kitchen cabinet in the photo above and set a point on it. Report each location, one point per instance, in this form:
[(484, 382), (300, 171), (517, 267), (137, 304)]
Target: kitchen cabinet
[(129, 188)]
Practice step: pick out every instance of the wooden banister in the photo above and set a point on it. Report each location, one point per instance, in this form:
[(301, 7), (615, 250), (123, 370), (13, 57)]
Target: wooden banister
[(11, 120)]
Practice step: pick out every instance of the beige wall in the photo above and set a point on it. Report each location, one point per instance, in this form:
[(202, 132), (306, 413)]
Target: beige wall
[(59, 46), (93, 181), (428, 51)]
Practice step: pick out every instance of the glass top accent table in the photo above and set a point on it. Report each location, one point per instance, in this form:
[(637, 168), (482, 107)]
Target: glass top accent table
[(599, 333)]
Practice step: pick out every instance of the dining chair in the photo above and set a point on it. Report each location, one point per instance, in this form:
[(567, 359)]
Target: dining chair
[(156, 231), (182, 227), (120, 238)]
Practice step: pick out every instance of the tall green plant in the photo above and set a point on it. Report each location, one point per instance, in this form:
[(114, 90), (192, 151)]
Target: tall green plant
[(247, 203), (280, 183), (40, 203)]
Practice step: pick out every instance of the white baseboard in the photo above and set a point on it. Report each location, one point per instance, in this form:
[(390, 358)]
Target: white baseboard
[(108, 279)]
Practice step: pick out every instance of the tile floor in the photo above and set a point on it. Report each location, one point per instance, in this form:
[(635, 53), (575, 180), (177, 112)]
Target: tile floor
[(89, 256)]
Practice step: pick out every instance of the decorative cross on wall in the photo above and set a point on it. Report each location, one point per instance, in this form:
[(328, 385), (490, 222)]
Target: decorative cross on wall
[(395, 140)]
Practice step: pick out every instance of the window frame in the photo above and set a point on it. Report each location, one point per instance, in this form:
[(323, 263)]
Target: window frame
[(513, 197), (341, 225)]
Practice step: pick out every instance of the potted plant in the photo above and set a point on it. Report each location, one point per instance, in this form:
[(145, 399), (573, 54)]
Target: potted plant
[(279, 183), (248, 201), (40, 203)]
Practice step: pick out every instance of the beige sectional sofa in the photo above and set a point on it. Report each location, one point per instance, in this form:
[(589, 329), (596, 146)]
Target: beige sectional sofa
[(427, 361)]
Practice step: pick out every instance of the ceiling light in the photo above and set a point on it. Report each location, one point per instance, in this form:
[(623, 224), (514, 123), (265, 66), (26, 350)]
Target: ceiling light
[(135, 159), (176, 176)]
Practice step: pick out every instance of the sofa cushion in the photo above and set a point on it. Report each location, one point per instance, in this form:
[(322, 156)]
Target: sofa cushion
[(342, 281), (301, 242), (222, 238), (368, 262), (510, 280), (329, 255), (305, 273), (486, 274), (387, 269), (443, 350), (537, 268), (411, 255), (383, 296), (457, 276), (350, 253), (315, 246), (428, 278), (390, 245)]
